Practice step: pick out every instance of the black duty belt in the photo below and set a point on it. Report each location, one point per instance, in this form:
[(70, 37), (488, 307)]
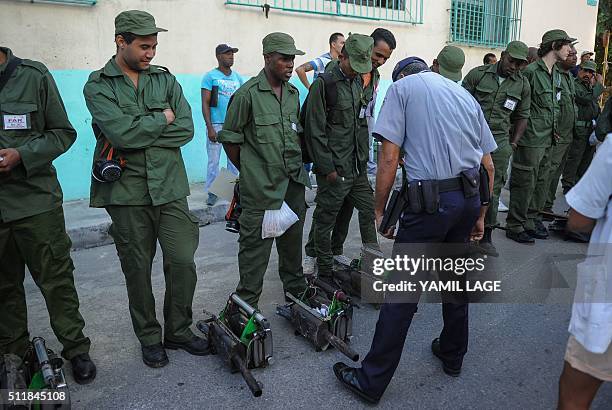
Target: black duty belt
[(451, 184)]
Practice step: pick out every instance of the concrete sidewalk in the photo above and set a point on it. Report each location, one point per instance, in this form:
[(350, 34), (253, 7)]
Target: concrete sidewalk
[(88, 227)]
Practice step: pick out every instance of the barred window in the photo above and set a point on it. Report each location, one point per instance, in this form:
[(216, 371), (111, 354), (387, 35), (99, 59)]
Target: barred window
[(489, 23), (403, 11)]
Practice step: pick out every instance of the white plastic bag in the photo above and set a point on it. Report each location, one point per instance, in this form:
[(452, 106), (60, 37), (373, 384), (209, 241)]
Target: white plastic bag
[(276, 222)]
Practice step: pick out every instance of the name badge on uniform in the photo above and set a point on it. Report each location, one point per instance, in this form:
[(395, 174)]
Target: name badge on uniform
[(559, 96), (16, 121), (510, 104), (362, 112), (294, 126)]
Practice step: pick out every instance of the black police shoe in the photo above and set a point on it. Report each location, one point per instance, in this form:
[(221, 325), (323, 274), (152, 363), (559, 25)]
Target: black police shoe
[(520, 237), (450, 370), (83, 369), (154, 355), (348, 377), (196, 346)]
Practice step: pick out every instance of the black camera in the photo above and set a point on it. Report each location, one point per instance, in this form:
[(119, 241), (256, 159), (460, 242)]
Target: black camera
[(234, 211), (105, 170)]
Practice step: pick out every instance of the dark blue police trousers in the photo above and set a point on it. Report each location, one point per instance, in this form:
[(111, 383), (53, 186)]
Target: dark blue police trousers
[(452, 223)]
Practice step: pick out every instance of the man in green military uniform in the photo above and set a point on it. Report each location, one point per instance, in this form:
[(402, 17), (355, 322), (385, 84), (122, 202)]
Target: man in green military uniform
[(581, 151), (384, 44), (530, 162), (567, 121), (338, 153), (604, 121), (260, 137), (140, 110), (505, 98), (449, 63), (35, 130)]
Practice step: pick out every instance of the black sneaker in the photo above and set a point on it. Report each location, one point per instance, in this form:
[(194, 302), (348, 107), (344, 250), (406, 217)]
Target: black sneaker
[(448, 369), (83, 369), (520, 237), (488, 248), (196, 346), (540, 229), (154, 355)]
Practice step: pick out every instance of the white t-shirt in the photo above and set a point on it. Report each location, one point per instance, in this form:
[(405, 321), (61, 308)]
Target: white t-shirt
[(591, 322)]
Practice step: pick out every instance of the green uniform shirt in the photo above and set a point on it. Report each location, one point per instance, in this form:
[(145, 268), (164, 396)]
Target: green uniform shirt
[(132, 120), (267, 131), (333, 134), (33, 120), (586, 100), (363, 137), (604, 121), (568, 110), (545, 110), (502, 103)]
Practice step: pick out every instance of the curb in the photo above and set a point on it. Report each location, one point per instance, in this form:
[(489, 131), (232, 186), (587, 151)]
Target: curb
[(86, 237), (96, 234)]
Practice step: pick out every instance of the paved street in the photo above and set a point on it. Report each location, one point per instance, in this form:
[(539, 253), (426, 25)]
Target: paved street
[(514, 360)]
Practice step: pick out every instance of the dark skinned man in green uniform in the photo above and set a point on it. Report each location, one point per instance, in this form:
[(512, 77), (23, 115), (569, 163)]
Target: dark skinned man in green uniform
[(580, 153), (141, 111), (35, 130), (260, 137), (338, 153), (567, 121), (531, 158), (384, 44), (505, 98)]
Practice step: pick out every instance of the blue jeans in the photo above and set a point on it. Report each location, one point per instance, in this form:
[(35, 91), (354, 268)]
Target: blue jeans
[(452, 223), (213, 150)]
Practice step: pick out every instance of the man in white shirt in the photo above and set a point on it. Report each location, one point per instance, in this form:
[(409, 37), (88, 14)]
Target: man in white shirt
[(588, 358), (336, 42)]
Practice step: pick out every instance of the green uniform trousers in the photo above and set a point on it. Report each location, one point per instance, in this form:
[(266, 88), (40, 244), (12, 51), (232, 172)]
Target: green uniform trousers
[(136, 230), (558, 158), (341, 229), (39, 242), (500, 157), (528, 189), (330, 200), (579, 158), (254, 252)]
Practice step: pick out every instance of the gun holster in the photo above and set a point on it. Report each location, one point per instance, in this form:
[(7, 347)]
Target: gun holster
[(485, 193)]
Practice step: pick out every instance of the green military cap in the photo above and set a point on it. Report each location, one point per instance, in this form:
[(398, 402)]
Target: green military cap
[(137, 22), (359, 49), (517, 50), (589, 65), (280, 43), (451, 60), (556, 35)]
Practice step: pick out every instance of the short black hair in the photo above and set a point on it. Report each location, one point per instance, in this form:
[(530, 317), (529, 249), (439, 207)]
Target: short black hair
[(382, 34), (487, 57), (128, 37), (334, 37)]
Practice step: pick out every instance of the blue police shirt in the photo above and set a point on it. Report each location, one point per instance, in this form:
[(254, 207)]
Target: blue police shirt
[(439, 125)]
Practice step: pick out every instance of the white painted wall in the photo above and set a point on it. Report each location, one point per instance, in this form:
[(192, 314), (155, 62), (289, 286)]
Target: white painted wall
[(75, 37)]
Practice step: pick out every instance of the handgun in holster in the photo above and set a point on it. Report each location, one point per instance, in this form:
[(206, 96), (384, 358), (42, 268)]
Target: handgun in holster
[(395, 206)]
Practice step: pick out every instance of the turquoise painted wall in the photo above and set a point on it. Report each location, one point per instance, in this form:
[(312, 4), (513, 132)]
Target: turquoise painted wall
[(74, 167)]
